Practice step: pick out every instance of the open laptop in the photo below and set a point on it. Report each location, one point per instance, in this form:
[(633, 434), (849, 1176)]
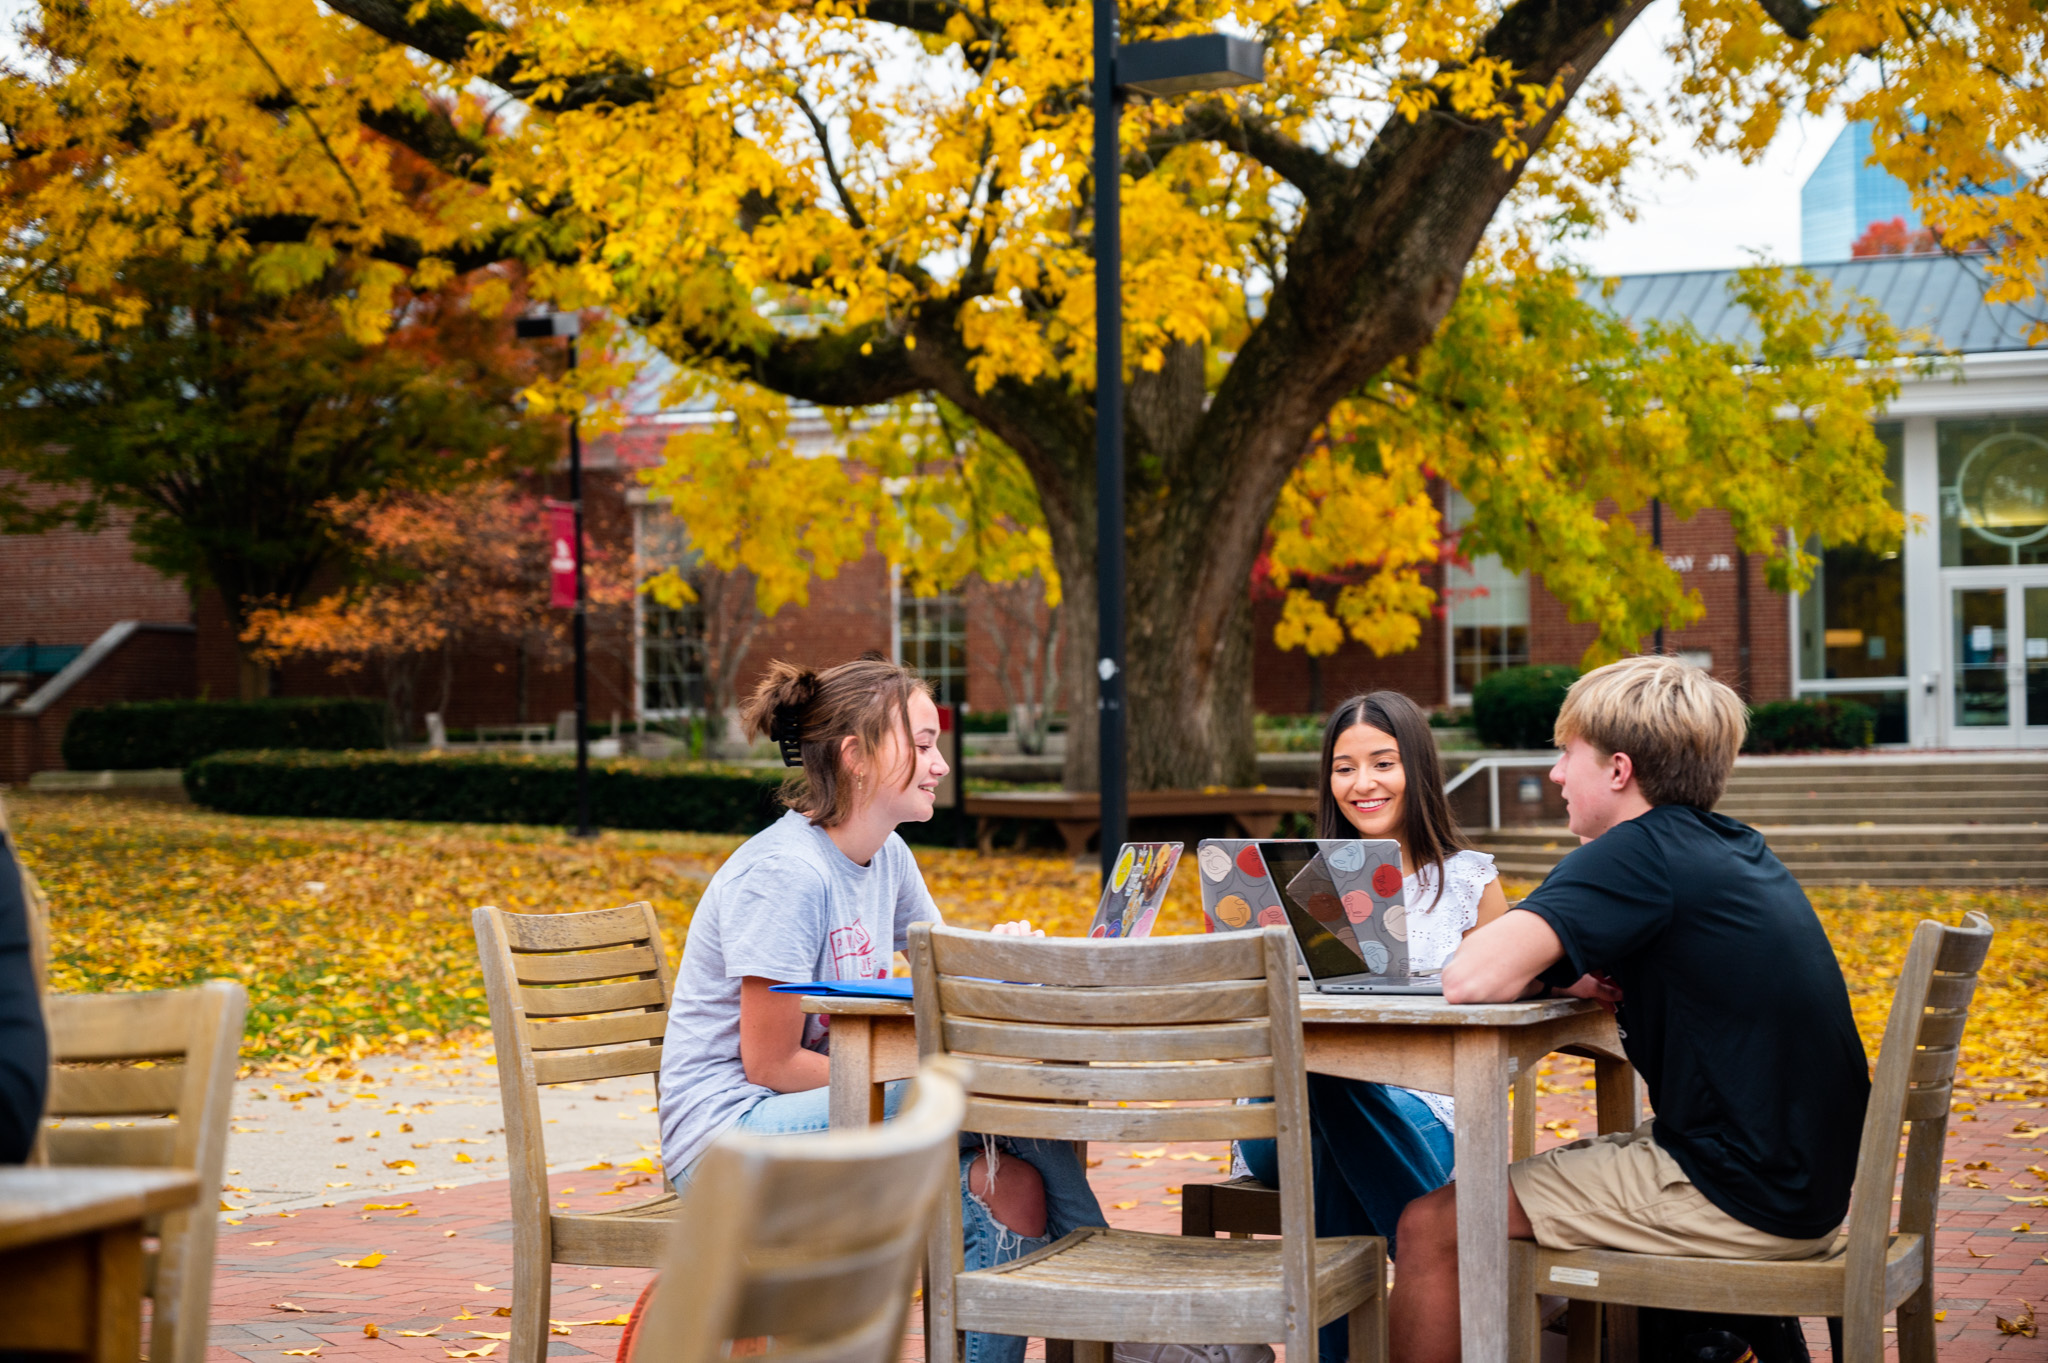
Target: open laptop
[(1341, 897), (1137, 887)]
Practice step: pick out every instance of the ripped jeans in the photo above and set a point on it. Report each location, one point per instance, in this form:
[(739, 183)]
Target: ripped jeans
[(1069, 1202), (985, 1242)]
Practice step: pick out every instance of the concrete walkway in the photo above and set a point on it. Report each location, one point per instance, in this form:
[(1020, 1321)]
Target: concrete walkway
[(282, 1287)]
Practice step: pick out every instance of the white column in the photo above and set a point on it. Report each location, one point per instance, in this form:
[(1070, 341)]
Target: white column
[(1926, 646)]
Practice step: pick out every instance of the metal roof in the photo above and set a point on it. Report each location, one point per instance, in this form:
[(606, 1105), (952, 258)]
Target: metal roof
[(1943, 295)]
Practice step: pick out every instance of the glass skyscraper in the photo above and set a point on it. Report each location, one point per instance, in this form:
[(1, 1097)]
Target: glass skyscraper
[(1845, 195)]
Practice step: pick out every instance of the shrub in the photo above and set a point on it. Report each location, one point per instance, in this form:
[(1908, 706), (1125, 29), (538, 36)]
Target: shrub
[(1517, 707), (175, 733), (486, 788), (1795, 725)]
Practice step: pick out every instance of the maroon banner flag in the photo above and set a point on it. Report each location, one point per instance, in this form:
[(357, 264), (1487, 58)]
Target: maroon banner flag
[(561, 555)]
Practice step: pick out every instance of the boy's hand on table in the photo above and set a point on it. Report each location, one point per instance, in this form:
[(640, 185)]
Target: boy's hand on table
[(1020, 928), (1596, 986)]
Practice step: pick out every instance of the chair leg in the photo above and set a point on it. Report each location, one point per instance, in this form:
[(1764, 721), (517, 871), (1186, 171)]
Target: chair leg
[(1525, 1307), (1368, 1325), (1624, 1339), (1582, 1332), (532, 1295), (1091, 1351), (1835, 1337), (1059, 1351), (1916, 1328)]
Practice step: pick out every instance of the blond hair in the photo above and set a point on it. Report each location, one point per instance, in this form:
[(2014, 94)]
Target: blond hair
[(1680, 727)]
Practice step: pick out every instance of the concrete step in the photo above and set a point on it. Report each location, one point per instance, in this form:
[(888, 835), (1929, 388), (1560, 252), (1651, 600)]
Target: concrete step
[(1927, 854)]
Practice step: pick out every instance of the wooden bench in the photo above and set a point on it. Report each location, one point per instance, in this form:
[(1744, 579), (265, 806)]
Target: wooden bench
[(1256, 810)]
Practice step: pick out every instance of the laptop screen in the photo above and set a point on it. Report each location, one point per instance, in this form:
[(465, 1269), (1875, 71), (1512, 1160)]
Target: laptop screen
[(1309, 896)]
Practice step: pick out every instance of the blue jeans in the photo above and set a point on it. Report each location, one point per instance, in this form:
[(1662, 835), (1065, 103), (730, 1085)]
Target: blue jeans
[(1069, 1202), (1373, 1150)]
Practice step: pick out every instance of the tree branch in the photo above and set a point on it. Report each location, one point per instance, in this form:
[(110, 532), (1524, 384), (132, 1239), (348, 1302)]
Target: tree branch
[(1314, 173), (853, 213), (446, 30), (1796, 17)]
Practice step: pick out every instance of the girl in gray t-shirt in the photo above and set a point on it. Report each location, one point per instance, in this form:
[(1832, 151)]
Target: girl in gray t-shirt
[(829, 891)]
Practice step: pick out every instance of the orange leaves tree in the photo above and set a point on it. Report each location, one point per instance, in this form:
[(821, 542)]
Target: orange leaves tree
[(228, 420), (849, 204), (433, 573)]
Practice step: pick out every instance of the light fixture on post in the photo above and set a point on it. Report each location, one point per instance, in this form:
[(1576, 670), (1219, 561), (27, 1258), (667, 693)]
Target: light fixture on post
[(1172, 66), (543, 327)]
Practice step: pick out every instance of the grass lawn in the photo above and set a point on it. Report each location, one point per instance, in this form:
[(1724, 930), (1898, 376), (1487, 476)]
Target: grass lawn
[(354, 937)]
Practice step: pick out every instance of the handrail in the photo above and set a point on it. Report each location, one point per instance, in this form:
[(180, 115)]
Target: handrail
[(1492, 766)]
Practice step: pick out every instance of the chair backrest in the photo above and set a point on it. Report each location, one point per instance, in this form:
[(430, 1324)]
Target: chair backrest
[(166, 1063), (559, 984), (811, 1240), (1916, 1066), (1062, 1032)]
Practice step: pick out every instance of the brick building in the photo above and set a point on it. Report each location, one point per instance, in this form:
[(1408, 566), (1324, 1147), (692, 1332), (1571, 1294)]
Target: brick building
[(1947, 637)]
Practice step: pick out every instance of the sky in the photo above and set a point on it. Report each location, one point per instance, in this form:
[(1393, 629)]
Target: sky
[(1720, 217), (1727, 211)]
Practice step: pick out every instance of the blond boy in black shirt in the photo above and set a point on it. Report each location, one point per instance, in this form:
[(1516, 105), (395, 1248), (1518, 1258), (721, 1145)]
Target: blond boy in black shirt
[(1730, 1002)]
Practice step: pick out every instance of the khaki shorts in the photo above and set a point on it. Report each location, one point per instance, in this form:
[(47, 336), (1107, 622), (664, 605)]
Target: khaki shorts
[(1624, 1191)]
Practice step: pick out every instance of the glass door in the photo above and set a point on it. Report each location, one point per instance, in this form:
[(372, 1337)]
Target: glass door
[(1998, 641), (2034, 662)]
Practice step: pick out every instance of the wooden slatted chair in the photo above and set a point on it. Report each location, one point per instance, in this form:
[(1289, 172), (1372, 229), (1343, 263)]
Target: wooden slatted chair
[(1872, 1268), (559, 985), (163, 1066), (813, 1241), (1178, 1028)]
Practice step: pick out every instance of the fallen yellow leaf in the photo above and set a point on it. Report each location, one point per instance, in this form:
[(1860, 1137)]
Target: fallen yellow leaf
[(420, 1334), (1122, 1206), (224, 1206), (614, 1320), (486, 1334), (484, 1352), (287, 1306), (367, 1261), (385, 1206), (369, 1330), (261, 1244), (462, 1157), (301, 1353)]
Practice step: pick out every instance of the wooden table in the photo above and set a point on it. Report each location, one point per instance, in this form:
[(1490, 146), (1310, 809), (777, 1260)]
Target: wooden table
[(1078, 813), (71, 1256), (1470, 1051)]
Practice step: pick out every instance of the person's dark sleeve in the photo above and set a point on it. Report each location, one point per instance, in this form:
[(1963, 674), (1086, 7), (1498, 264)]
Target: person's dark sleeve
[(24, 1048), (1605, 902)]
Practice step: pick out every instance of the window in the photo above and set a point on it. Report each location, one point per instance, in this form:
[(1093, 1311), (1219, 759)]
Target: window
[(1994, 492), (671, 639), (1852, 619), (931, 640), (1488, 614)]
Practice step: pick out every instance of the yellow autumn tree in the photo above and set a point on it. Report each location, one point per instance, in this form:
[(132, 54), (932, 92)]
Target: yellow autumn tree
[(853, 202)]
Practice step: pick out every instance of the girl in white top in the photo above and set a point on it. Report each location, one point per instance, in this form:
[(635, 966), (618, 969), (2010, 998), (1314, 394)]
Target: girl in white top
[(1376, 1148)]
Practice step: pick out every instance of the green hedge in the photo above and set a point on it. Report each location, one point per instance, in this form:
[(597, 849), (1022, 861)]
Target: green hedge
[(1804, 725), (1517, 707), (175, 733), (485, 788)]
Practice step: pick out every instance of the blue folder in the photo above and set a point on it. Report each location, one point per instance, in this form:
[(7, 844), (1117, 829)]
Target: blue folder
[(849, 989)]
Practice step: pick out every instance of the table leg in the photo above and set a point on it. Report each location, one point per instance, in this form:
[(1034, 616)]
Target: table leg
[(80, 1296), (1617, 1099), (1479, 1069), (1618, 1106), (855, 1098)]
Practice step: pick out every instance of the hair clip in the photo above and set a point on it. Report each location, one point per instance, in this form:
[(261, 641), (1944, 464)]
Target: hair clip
[(786, 729)]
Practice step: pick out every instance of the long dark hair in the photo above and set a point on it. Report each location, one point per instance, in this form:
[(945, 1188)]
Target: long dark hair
[(1428, 830)]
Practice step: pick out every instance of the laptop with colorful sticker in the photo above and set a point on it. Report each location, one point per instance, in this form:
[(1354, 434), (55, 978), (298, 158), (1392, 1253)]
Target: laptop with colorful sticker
[(1341, 897), (1137, 887)]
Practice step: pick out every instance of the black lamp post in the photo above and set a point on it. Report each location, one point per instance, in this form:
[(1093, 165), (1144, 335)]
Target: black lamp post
[(563, 324), (1176, 66)]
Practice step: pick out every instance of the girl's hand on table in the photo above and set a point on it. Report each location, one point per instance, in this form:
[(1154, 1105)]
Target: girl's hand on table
[(1020, 928)]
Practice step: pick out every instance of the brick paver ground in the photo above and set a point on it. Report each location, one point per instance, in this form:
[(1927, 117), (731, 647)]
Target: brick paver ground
[(448, 1257)]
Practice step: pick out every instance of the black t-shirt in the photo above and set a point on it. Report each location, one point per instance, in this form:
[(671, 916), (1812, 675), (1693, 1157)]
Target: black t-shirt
[(1734, 1010), (24, 1050)]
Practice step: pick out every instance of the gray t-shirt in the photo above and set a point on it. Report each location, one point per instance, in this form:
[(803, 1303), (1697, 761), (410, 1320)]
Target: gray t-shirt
[(787, 906)]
